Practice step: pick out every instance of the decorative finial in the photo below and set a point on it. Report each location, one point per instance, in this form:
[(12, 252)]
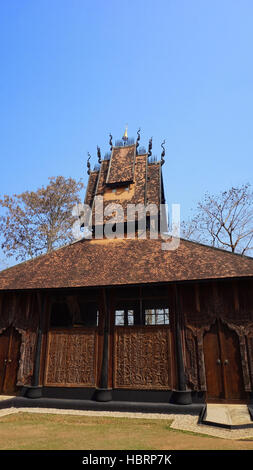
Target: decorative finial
[(150, 147), (88, 163), (138, 139), (99, 154), (163, 153), (110, 141), (125, 136)]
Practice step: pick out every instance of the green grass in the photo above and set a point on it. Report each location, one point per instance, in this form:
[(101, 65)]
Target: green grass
[(34, 431)]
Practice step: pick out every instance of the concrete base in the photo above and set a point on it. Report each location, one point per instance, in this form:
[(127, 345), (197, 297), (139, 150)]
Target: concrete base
[(103, 394), (181, 397), (34, 392), (124, 406)]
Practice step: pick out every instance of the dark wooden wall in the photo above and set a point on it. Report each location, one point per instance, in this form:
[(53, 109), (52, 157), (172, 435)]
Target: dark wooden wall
[(140, 357)]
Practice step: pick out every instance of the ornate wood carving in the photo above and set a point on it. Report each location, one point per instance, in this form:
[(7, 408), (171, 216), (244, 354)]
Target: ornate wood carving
[(191, 359), (142, 358), (26, 362), (71, 358), (21, 312), (202, 306), (195, 351), (201, 360), (243, 331), (196, 365)]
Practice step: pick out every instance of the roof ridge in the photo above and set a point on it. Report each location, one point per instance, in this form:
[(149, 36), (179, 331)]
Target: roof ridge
[(217, 248)]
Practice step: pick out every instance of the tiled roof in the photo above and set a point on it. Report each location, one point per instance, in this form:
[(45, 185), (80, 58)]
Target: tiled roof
[(91, 188), (153, 184), (120, 262), (121, 168)]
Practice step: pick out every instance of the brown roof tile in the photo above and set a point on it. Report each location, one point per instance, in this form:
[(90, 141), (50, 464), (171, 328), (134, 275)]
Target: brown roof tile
[(121, 169), (140, 179), (91, 188), (102, 177), (153, 183), (120, 262)]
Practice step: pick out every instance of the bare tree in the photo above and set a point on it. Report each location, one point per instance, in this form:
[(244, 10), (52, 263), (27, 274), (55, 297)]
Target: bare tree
[(3, 263), (36, 222), (224, 220)]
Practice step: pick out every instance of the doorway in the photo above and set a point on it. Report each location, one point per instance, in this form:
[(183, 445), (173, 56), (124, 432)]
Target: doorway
[(10, 343), (224, 376)]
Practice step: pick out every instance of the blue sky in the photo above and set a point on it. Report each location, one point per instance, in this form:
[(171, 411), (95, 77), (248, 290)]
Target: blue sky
[(74, 70)]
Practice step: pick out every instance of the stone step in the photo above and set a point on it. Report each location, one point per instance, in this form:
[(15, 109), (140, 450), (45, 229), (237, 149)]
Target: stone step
[(229, 416), (6, 397)]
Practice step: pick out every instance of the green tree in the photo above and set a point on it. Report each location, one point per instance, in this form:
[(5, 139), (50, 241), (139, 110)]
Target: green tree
[(36, 222)]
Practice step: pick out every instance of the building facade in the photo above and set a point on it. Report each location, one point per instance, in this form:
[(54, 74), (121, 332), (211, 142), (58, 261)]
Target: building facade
[(121, 319)]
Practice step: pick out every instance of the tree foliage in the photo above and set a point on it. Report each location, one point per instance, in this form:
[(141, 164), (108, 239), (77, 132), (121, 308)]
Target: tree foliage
[(36, 222), (224, 220)]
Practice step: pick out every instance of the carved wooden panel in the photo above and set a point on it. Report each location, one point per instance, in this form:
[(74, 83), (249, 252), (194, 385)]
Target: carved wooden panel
[(142, 357), (201, 359), (21, 311), (71, 358), (191, 360), (27, 356), (242, 332)]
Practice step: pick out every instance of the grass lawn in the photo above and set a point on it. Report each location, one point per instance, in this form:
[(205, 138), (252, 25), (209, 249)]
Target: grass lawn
[(31, 431)]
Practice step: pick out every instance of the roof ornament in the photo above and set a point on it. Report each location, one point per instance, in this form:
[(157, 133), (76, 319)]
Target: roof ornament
[(150, 147), (163, 153), (110, 141), (125, 136), (88, 163), (99, 154), (138, 138)]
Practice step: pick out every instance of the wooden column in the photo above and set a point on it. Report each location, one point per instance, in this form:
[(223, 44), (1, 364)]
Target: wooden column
[(181, 395), (35, 391), (103, 393)]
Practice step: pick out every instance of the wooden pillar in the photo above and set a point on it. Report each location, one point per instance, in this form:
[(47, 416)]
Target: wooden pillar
[(35, 391), (103, 393), (181, 396)]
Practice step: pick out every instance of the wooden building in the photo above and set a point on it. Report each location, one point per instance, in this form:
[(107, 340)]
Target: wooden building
[(122, 319)]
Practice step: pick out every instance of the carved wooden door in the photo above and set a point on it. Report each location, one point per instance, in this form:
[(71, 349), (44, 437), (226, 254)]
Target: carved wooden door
[(213, 366), (224, 377), (10, 342)]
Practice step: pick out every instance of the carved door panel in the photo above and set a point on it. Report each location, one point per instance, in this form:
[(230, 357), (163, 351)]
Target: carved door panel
[(10, 342), (224, 377), (232, 368), (213, 365), (4, 347)]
